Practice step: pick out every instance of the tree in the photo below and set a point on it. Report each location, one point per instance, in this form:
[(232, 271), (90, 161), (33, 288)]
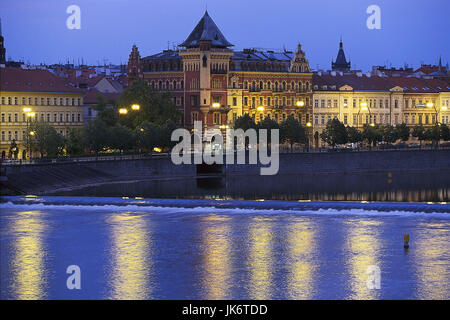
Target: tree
[(444, 132), (155, 107), (45, 139), (402, 132), (147, 136), (166, 134), (269, 124), (419, 132), (354, 135), (96, 135), (245, 122), (372, 134), (74, 142), (13, 149), (389, 133), (435, 134), (334, 133), (107, 111), (121, 138), (292, 132)]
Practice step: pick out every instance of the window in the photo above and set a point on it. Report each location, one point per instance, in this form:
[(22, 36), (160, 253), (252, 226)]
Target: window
[(345, 103), (345, 119), (269, 101), (245, 101), (316, 103), (322, 103), (194, 101), (322, 119), (79, 117), (55, 117), (48, 117), (316, 119), (194, 116), (3, 135), (396, 103), (216, 118), (234, 101), (3, 117), (16, 117)]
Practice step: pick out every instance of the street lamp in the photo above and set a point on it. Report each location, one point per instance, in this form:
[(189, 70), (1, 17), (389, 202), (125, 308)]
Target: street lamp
[(364, 107), (260, 108), (216, 105), (431, 105), (29, 114), (300, 103), (123, 111), (135, 107)]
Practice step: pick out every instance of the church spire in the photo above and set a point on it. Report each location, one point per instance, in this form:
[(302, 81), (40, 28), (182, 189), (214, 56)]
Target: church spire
[(341, 63)]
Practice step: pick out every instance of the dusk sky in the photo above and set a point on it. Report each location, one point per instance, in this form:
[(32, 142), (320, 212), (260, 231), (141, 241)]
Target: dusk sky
[(412, 32)]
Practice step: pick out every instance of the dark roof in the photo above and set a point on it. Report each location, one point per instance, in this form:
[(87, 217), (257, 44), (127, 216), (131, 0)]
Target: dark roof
[(165, 55), (25, 80), (206, 30), (253, 55)]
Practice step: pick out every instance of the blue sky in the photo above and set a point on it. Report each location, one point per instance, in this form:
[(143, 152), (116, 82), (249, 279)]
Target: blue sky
[(411, 31)]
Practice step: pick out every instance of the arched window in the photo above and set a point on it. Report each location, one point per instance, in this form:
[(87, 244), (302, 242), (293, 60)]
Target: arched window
[(276, 85), (160, 85), (174, 84), (284, 85), (261, 85)]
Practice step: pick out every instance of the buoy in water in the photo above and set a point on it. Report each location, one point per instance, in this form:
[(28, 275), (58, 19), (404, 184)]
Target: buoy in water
[(406, 241)]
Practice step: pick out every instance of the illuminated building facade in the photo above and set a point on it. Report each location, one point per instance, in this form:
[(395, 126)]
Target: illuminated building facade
[(30, 95), (211, 82)]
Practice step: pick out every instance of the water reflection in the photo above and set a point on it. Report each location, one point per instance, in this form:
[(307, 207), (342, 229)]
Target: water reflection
[(28, 262), (217, 268), (430, 250), (301, 269), (260, 258), (130, 268), (362, 251)]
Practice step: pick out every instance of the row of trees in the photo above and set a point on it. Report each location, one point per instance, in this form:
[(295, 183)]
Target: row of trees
[(138, 131), (336, 133), (291, 131)]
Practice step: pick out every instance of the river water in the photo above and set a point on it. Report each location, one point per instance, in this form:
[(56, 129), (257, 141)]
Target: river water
[(139, 248)]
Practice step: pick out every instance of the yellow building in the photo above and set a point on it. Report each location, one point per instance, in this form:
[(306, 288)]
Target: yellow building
[(357, 100), (30, 95)]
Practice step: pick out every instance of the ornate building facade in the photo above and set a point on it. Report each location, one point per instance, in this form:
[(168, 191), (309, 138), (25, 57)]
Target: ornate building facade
[(211, 82), (30, 95)]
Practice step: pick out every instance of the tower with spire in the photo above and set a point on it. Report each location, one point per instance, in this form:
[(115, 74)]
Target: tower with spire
[(206, 56), (2, 46), (341, 63), (134, 69)]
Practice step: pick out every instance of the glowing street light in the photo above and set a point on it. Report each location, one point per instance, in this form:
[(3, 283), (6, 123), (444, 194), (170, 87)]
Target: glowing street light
[(32, 133), (216, 105), (308, 124), (260, 108), (364, 106), (135, 107), (123, 111), (372, 124), (430, 104), (300, 103), (26, 109), (444, 108), (31, 114)]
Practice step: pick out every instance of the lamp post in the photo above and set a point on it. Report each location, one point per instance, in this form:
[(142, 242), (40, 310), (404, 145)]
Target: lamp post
[(436, 110), (29, 114), (364, 107)]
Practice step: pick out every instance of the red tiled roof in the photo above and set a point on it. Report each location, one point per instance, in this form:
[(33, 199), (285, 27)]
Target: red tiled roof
[(375, 83), (91, 96), (23, 80)]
